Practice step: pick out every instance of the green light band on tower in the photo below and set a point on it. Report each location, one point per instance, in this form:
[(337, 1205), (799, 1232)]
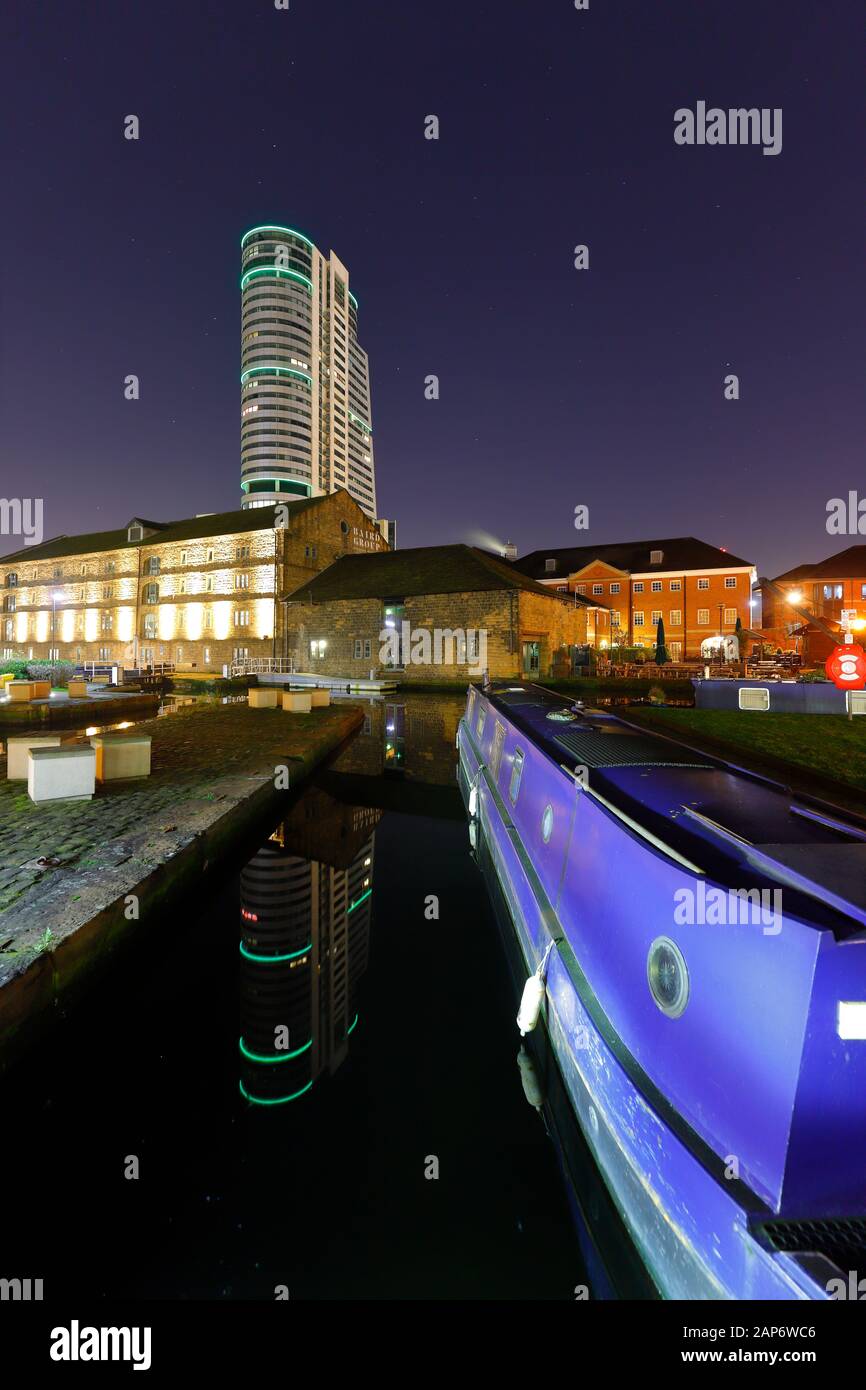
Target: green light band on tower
[(278, 1100), (275, 367), (357, 903), (274, 227), (276, 271), (352, 1025), (268, 960), (283, 1057)]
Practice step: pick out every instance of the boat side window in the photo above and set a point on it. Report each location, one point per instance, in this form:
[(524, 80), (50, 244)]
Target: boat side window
[(482, 715), (516, 773), (496, 755), (471, 710)]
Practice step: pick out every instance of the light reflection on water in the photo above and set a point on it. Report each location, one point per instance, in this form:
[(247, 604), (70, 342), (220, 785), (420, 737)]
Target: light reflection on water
[(296, 1048)]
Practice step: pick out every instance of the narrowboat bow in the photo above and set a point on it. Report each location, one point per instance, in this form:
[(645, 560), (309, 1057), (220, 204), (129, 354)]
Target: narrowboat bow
[(700, 935)]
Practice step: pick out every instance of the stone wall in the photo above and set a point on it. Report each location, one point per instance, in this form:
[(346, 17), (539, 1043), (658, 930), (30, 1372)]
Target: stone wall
[(351, 630)]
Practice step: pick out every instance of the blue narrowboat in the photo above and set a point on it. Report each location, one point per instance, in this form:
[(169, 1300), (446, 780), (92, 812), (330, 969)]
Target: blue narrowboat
[(695, 938)]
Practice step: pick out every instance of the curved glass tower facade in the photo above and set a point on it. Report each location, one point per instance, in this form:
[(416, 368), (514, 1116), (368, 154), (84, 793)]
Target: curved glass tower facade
[(305, 385)]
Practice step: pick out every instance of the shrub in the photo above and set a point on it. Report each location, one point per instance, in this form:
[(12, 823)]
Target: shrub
[(57, 672), (16, 668)]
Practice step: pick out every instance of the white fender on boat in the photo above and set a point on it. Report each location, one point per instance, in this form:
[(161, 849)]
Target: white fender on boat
[(529, 1076), (530, 1004), (473, 800), (473, 835)]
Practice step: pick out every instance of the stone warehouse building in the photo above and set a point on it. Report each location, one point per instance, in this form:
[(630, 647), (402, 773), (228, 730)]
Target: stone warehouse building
[(699, 590), (408, 612), (200, 593)]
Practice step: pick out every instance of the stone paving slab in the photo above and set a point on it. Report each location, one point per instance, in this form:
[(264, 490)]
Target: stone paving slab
[(67, 865)]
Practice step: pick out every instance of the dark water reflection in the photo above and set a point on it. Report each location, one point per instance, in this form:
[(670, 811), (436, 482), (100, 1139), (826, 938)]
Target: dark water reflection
[(289, 1088)]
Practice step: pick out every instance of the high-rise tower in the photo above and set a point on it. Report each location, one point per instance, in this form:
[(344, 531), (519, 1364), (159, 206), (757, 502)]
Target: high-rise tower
[(305, 383)]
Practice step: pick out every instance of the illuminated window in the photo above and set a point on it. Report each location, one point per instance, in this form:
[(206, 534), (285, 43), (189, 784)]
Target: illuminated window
[(516, 774)]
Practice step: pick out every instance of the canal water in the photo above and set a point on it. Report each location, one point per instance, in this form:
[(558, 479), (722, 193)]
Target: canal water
[(307, 1079)]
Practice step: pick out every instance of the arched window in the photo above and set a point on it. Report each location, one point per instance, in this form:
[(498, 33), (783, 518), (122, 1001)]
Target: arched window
[(150, 625), (151, 593), (152, 565), (12, 580)]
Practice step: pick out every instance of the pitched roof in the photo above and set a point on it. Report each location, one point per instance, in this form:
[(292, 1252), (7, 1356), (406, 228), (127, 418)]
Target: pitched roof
[(187, 529), (678, 553), (431, 569), (845, 564)]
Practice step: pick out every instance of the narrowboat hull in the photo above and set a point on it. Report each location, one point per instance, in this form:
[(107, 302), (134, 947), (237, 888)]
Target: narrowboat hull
[(705, 1125)]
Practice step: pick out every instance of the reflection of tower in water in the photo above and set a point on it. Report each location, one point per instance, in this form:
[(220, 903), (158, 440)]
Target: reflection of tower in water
[(305, 931)]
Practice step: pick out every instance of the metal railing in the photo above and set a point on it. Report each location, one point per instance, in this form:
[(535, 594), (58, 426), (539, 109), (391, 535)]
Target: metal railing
[(264, 665)]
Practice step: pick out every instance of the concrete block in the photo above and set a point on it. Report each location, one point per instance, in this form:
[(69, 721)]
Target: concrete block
[(61, 774), (121, 756), (41, 689), (321, 699), (19, 745), (21, 692), (297, 701), (263, 697)]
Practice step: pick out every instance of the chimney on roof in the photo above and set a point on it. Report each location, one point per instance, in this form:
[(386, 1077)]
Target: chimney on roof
[(509, 551)]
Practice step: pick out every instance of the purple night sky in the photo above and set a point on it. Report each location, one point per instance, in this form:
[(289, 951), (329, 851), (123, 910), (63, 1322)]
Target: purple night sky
[(558, 387)]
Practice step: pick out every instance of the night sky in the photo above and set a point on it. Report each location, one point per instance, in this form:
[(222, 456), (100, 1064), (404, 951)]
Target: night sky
[(558, 387)]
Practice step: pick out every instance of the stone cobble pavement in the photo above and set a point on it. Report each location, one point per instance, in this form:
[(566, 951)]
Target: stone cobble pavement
[(61, 862)]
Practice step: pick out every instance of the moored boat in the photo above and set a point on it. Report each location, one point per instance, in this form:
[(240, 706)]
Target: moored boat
[(701, 937)]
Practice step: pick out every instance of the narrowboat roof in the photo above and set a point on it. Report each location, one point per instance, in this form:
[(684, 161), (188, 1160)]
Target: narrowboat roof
[(733, 825)]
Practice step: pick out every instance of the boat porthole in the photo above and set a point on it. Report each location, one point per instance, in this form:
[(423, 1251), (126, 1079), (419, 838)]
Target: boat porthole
[(547, 824), (668, 976)]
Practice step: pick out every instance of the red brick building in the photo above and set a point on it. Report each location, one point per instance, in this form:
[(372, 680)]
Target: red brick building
[(824, 590), (699, 590)]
